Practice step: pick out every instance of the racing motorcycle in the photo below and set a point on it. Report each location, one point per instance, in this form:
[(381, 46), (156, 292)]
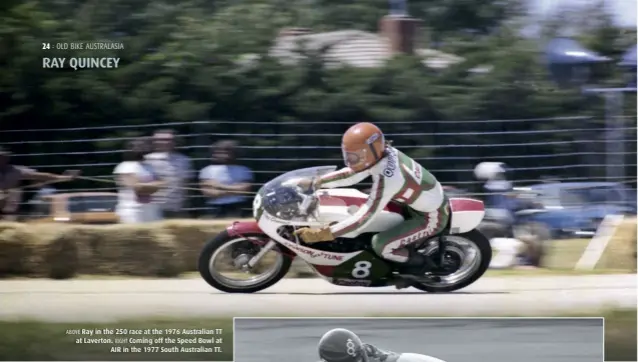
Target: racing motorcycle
[(457, 257)]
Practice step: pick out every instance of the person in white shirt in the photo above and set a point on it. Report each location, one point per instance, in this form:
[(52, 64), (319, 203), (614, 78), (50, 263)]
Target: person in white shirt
[(137, 182), (342, 345)]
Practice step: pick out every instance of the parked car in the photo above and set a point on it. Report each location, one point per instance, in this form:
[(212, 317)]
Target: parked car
[(513, 225), (76, 207), (578, 208)]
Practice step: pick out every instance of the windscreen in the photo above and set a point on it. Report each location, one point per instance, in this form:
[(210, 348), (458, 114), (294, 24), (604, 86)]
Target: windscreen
[(284, 199)]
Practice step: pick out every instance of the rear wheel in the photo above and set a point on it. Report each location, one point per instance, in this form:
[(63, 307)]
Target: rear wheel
[(465, 259), (223, 262)]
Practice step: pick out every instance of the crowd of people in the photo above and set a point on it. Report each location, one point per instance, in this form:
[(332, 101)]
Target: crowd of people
[(12, 176), (153, 176), (151, 179)]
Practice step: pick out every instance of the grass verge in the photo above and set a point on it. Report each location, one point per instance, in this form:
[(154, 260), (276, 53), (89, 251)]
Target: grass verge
[(620, 335), (38, 341)]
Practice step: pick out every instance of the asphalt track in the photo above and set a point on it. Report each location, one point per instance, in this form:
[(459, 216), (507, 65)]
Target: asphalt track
[(531, 340), (107, 300)]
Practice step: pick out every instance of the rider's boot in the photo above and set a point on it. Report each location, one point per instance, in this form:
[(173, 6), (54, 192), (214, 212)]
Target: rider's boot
[(416, 265)]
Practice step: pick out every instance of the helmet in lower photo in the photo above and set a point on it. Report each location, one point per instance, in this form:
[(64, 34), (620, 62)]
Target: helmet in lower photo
[(341, 345)]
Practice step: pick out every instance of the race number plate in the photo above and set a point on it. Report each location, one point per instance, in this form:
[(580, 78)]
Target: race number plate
[(365, 266)]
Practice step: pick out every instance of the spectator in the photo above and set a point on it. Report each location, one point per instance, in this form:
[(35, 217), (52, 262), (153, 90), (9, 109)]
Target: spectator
[(223, 181), (147, 145), (10, 179), (137, 183), (506, 231), (174, 169)]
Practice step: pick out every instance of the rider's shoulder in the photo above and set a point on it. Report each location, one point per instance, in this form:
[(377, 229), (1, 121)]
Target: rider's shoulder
[(379, 355), (389, 165)]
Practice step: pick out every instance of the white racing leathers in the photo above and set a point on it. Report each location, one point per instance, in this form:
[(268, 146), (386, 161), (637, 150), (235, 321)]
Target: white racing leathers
[(398, 178), (378, 355)]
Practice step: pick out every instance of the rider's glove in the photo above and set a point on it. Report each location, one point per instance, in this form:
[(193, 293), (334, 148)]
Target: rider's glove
[(309, 235), (309, 183), (306, 184)]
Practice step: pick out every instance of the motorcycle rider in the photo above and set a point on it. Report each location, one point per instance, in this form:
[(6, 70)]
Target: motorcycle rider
[(396, 177), (342, 345)]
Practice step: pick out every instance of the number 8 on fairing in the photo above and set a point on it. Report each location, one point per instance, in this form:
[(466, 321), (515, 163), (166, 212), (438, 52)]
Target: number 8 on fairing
[(256, 204), (361, 269)]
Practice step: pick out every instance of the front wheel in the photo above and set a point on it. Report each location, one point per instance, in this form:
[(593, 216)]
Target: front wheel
[(224, 259), (466, 258)]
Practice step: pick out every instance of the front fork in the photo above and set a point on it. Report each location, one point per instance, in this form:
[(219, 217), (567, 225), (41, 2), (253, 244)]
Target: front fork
[(266, 248)]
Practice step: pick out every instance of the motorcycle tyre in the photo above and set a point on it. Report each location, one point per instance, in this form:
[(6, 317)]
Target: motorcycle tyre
[(222, 238), (484, 247)]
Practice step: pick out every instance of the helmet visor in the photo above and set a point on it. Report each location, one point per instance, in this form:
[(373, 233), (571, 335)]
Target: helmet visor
[(355, 159)]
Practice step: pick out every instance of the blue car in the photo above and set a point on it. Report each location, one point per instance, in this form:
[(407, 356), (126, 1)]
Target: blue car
[(577, 208)]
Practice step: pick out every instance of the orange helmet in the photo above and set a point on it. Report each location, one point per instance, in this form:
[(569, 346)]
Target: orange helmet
[(363, 145)]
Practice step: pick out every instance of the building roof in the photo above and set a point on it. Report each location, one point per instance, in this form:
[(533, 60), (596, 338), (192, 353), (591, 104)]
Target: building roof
[(354, 48)]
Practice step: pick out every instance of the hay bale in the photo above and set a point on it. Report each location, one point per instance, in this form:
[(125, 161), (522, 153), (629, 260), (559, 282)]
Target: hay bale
[(46, 252), (139, 250), (16, 248), (163, 249), (191, 235), (62, 250), (61, 255), (10, 226)]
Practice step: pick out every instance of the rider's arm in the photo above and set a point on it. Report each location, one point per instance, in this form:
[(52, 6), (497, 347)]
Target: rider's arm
[(380, 195), (342, 178)]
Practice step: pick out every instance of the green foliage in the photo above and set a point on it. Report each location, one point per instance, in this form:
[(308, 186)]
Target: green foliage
[(200, 60)]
